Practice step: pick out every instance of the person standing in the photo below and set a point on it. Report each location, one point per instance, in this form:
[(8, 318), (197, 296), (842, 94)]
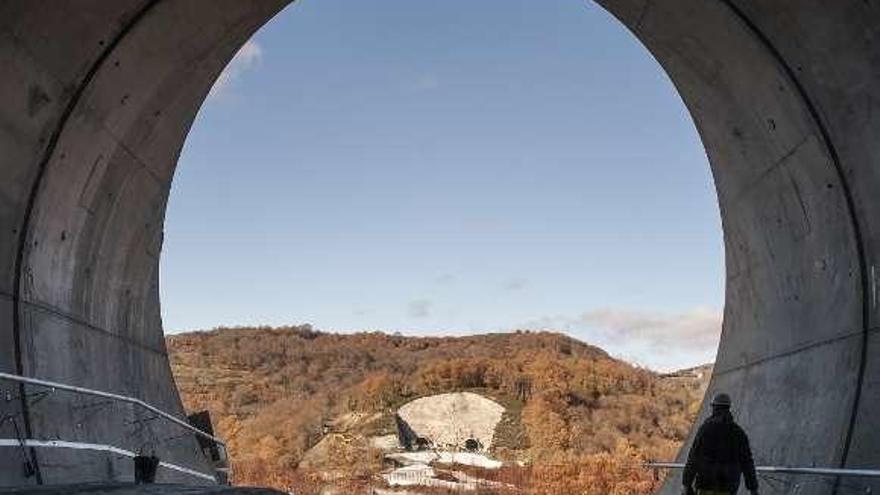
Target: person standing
[(720, 455)]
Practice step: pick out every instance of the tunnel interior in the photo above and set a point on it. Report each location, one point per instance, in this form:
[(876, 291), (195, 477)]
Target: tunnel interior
[(97, 99)]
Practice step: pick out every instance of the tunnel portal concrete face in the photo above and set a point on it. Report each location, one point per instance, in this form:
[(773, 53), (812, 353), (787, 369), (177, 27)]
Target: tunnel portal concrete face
[(97, 97)]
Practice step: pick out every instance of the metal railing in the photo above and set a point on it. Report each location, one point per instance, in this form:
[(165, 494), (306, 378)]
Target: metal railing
[(108, 395), (102, 447), (836, 480), (856, 473), (96, 447)]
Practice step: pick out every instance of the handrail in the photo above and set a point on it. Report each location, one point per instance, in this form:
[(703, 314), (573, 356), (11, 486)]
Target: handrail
[(61, 444), (108, 395), (862, 473)]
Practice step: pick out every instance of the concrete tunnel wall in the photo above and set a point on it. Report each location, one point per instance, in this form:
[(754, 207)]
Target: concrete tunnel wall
[(96, 99)]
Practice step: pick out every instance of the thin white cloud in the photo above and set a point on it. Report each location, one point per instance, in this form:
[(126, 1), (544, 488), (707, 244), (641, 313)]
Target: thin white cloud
[(247, 58), (657, 340), (698, 328), (420, 308)]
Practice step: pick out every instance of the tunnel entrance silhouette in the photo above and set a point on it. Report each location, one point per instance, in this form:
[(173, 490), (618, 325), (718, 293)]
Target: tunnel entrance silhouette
[(97, 99)]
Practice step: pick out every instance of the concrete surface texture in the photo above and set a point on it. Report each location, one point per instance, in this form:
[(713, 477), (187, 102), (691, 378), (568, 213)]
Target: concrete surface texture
[(449, 420), (97, 96)]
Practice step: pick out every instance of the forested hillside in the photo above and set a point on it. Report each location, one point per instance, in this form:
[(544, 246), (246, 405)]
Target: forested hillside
[(275, 393)]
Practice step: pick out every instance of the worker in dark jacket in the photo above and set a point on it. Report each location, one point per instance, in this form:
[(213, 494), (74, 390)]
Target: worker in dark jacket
[(719, 455)]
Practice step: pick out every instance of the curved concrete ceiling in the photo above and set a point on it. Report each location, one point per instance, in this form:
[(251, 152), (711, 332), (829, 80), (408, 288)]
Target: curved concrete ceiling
[(97, 97)]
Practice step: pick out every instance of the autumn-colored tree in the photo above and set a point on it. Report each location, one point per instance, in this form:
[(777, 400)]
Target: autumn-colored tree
[(547, 428), (576, 415)]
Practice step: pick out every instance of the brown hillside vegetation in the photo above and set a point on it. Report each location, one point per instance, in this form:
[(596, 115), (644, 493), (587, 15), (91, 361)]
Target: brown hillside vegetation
[(276, 393)]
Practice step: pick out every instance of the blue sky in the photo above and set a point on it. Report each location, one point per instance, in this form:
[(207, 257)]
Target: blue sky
[(448, 168)]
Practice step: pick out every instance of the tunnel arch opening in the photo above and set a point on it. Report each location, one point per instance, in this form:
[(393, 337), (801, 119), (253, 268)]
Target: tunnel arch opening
[(231, 104), (443, 200), (783, 117)]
